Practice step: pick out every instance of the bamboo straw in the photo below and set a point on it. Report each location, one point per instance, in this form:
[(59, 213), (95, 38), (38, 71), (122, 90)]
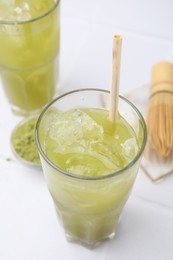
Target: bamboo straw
[(116, 59)]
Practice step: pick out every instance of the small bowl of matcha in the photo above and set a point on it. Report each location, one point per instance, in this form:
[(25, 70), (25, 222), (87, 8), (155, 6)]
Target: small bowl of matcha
[(23, 141)]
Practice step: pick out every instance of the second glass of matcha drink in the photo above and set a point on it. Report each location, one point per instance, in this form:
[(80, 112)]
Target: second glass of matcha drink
[(29, 52), (90, 164)]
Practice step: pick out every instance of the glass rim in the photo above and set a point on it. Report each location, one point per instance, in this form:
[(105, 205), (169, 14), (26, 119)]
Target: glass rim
[(75, 176), (33, 19)]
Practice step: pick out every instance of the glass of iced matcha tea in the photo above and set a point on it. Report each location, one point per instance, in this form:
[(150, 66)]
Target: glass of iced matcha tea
[(29, 50), (89, 163)]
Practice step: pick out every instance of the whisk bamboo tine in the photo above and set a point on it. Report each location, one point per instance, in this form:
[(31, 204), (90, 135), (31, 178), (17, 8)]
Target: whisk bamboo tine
[(159, 117)]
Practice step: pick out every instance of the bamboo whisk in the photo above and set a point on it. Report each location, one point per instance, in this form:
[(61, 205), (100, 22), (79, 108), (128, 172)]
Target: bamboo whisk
[(159, 118)]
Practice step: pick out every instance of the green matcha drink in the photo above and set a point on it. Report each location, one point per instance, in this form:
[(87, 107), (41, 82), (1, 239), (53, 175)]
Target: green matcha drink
[(29, 48), (90, 164)]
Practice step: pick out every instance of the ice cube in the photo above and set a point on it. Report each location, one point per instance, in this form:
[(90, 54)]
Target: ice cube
[(106, 159), (74, 129), (129, 148), (109, 153), (85, 165), (18, 10), (80, 170), (20, 13), (25, 6), (14, 11)]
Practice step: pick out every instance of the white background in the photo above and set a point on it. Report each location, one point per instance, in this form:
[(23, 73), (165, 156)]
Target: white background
[(29, 229)]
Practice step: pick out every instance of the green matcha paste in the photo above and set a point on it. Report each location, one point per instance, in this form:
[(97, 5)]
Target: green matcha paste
[(23, 141)]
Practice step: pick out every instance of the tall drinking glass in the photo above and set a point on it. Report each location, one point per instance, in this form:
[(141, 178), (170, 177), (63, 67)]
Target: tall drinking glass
[(89, 206), (29, 52)]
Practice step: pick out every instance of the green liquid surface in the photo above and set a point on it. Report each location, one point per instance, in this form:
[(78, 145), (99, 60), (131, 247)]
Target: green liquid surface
[(85, 142)]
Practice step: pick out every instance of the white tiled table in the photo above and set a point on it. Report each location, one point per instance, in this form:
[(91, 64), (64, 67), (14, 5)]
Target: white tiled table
[(28, 225)]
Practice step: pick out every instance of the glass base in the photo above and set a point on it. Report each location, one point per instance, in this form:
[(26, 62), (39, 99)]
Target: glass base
[(88, 230), (26, 113), (88, 245)]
